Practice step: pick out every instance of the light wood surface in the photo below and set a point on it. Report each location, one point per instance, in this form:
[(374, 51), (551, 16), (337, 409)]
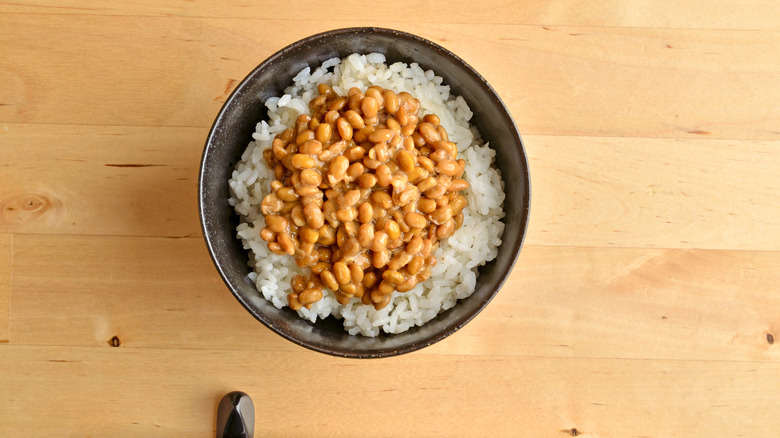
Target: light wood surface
[(644, 304)]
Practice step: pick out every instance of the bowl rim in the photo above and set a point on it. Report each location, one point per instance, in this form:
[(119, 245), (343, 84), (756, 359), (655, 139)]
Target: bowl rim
[(437, 336)]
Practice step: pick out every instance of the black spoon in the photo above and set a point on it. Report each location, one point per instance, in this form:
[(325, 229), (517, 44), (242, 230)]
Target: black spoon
[(236, 416)]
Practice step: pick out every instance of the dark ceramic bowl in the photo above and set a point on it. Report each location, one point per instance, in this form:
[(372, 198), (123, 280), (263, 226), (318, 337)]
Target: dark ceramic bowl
[(232, 131)]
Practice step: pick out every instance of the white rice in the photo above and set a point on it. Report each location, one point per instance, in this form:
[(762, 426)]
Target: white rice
[(459, 257)]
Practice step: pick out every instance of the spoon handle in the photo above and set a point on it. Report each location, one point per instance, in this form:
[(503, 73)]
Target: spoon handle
[(236, 416)]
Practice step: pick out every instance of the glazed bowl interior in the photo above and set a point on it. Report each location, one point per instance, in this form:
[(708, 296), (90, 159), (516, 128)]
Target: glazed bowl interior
[(232, 131)]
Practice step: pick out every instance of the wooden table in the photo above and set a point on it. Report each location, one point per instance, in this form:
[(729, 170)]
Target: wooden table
[(644, 303)]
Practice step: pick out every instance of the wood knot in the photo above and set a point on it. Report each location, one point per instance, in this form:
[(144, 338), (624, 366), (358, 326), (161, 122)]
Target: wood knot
[(24, 207), (114, 342), (574, 432), (770, 339)]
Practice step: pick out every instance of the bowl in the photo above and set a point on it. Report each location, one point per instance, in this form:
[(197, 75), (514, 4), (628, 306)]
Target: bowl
[(232, 131)]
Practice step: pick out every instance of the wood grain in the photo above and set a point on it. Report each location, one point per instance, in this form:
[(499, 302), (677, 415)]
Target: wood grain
[(555, 80), (716, 14), (616, 303), (631, 303), (717, 194), (111, 180), (174, 392), (586, 191), (166, 291), (6, 266), (643, 304)]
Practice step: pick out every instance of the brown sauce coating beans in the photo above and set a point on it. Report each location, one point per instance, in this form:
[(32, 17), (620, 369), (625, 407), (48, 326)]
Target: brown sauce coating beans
[(365, 189)]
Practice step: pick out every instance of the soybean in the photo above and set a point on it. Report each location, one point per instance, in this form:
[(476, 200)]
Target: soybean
[(364, 189)]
